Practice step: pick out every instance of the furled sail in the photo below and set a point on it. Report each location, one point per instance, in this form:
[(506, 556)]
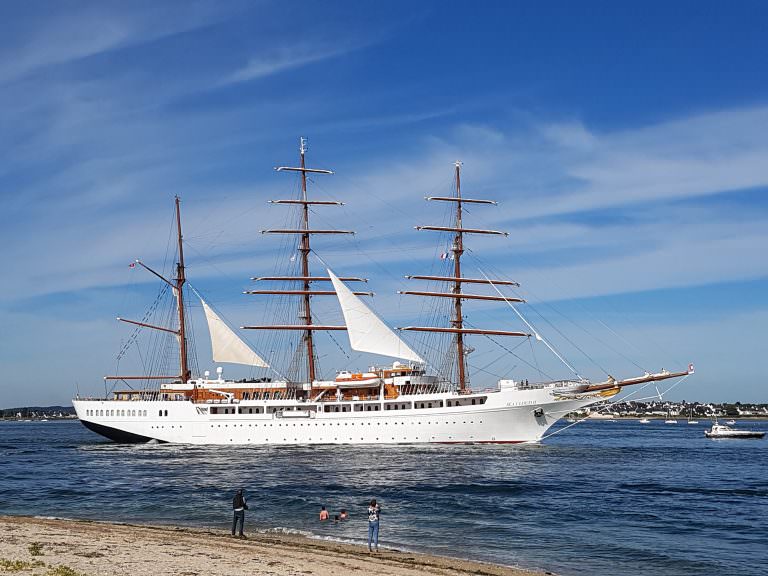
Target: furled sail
[(367, 333), (226, 345)]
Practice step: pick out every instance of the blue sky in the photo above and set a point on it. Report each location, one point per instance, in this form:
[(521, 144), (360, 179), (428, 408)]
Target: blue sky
[(625, 143)]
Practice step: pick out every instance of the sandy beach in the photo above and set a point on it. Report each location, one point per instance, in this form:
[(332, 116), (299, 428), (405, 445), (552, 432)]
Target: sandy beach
[(77, 548)]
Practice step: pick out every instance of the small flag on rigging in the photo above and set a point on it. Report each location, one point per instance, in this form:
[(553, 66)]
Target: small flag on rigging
[(132, 265)]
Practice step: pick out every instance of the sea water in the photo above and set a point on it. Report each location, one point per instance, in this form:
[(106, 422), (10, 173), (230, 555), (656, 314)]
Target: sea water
[(601, 498)]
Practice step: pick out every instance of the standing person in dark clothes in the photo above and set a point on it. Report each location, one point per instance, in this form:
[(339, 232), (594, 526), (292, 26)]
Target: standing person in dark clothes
[(239, 505), (374, 510)]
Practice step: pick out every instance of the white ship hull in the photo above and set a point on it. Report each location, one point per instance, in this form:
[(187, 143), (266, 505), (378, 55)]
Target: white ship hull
[(504, 416)]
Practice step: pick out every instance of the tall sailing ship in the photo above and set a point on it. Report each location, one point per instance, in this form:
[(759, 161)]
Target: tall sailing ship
[(406, 401)]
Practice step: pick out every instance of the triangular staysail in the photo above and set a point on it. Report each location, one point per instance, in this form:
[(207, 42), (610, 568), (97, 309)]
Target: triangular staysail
[(367, 333), (226, 345)]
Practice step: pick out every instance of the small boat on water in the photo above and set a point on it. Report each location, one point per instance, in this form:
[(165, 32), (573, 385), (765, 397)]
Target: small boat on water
[(690, 417), (724, 431), (730, 422), (644, 421)]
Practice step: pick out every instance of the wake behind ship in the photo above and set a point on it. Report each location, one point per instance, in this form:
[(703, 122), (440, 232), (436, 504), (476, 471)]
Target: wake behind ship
[(407, 401)]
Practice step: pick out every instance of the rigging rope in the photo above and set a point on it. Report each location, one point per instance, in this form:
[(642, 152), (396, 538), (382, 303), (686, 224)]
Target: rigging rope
[(535, 332)]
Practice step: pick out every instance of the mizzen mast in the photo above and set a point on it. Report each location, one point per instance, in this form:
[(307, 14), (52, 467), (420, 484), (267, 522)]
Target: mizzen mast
[(305, 279), (177, 285), (457, 250), (180, 281)]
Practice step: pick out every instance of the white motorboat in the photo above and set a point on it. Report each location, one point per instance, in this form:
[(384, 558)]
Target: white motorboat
[(644, 421), (724, 431)]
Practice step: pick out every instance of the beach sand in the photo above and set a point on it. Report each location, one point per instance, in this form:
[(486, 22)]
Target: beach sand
[(37, 546)]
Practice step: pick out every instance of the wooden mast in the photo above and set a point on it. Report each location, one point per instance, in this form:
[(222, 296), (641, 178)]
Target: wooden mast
[(458, 319), (177, 285), (457, 250), (304, 249), (180, 280), (305, 278)]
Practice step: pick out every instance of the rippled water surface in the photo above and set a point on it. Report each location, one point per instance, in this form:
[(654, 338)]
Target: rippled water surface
[(602, 498)]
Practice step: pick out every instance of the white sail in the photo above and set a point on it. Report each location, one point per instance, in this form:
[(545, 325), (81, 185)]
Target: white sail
[(367, 333), (226, 345)]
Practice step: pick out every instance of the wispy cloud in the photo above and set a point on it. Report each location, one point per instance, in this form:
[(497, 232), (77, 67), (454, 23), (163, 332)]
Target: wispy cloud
[(286, 58), (633, 176), (65, 36), (689, 157)]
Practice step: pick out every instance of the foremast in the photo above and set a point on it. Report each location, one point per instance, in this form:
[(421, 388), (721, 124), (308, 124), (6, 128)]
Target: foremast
[(458, 327), (306, 279), (177, 286)]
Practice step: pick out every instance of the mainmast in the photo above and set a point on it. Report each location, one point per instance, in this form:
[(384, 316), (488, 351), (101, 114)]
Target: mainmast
[(456, 281), (458, 250), (306, 278), (304, 249)]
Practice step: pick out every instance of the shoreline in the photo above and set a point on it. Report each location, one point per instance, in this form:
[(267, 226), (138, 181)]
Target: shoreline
[(91, 548)]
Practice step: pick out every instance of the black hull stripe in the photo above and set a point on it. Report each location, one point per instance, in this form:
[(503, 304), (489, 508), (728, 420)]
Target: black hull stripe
[(116, 435)]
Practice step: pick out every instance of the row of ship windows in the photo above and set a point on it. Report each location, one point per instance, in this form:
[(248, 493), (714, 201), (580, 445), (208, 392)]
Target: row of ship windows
[(123, 413), (404, 439), (347, 424), (246, 396), (372, 407)]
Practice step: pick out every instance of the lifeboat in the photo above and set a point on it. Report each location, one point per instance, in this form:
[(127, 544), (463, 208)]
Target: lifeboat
[(358, 380)]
